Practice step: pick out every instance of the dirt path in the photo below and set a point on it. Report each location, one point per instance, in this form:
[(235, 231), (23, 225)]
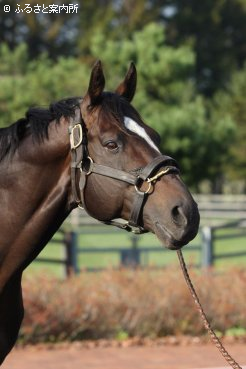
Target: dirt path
[(163, 357)]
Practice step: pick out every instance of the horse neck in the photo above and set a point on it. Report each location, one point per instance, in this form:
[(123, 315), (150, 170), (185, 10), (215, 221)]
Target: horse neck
[(34, 195)]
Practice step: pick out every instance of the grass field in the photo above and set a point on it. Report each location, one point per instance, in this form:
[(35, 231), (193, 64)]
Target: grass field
[(114, 239), (235, 242)]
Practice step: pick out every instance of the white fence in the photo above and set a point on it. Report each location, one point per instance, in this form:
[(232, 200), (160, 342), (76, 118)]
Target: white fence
[(221, 207)]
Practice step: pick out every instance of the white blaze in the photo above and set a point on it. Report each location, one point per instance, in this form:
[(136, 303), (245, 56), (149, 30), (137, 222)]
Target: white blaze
[(140, 131)]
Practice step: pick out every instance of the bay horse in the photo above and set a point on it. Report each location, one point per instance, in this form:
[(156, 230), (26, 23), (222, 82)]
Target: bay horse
[(94, 152)]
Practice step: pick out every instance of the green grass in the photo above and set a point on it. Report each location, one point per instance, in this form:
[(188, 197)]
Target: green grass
[(54, 251), (101, 237), (123, 240), (230, 245), (126, 240)]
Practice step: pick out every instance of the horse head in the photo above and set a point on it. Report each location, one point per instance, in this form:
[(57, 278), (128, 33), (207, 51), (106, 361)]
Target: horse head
[(124, 175)]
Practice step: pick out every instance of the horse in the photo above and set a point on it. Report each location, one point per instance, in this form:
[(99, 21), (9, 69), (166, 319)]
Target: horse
[(94, 152)]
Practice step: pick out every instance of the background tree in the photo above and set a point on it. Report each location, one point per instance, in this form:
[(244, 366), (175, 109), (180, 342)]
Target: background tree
[(216, 29), (232, 101), (26, 83)]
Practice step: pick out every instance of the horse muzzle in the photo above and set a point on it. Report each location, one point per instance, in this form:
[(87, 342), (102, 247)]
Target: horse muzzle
[(176, 227)]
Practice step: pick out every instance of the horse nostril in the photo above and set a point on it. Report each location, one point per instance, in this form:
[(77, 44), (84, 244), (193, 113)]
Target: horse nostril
[(178, 216)]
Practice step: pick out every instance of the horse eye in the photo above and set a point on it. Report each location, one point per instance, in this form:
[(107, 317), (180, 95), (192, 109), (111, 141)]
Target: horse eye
[(112, 145)]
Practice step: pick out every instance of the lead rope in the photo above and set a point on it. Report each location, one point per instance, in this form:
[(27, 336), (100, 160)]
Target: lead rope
[(206, 323)]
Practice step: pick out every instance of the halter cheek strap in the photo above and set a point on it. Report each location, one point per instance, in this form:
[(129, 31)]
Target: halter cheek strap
[(76, 144), (82, 166)]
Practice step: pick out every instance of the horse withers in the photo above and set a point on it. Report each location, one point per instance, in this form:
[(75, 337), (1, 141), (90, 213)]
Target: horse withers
[(94, 152)]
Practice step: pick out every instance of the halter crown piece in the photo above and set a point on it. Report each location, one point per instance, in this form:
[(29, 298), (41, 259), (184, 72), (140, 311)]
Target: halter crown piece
[(82, 165)]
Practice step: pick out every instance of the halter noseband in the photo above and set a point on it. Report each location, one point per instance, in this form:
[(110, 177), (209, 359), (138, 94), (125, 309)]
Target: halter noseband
[(82, 166)]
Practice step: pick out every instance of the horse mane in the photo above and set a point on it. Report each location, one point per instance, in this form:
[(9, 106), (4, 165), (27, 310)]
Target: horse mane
[(36, 121)]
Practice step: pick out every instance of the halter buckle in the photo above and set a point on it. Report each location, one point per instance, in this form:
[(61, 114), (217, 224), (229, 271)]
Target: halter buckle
[(77, 127)]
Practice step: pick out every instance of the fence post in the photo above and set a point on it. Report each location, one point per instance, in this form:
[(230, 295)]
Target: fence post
[(207, 247), (135, 249), (70, 240), (131, 257)]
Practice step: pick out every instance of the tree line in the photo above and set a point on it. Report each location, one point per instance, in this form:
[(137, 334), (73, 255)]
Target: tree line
[(190, 58)]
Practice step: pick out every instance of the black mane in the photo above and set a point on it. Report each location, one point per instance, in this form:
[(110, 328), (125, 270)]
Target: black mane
[(37, 121)]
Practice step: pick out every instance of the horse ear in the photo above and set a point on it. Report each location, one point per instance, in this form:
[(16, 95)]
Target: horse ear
[(96, 84), (127, 87)]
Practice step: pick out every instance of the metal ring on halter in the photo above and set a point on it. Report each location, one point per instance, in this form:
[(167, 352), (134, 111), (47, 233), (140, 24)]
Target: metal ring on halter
[(149, 189), (90, 170)]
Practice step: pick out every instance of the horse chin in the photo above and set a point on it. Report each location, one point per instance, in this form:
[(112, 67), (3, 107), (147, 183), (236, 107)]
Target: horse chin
[(168, 239)]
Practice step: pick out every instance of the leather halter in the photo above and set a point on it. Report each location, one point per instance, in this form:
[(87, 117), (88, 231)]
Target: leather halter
[(82, 166)]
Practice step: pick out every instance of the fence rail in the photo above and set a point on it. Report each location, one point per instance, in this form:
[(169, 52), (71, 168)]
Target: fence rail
[(139, 256), (68, 261), (221, 206), (209, 238)]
